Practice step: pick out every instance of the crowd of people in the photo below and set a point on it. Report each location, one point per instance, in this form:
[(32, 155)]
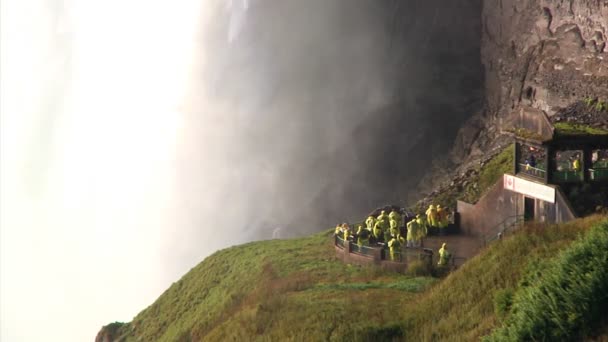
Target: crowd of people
[(396, 230)]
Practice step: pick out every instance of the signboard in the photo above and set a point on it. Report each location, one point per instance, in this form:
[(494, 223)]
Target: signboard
[(529, 188)]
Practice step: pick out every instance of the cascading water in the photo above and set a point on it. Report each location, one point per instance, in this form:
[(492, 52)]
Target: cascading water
[(138, 137)]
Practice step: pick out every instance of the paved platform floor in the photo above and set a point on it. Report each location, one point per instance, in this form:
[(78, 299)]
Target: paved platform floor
[(462, 247)]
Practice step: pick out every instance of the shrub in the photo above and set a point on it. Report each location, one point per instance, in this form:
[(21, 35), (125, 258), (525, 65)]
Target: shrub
[(588, 101), (565, 301), (503, 299), (392, 332)]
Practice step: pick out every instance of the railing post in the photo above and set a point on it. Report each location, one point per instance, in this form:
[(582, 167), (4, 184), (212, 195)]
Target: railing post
[(587, 163), (516, 158), (377, 254)]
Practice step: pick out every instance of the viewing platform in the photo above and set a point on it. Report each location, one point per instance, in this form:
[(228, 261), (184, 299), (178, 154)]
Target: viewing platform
[(379, 255), (559, 172)]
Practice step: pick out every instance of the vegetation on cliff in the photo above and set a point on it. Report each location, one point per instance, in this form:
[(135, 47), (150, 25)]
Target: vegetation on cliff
[(279, 289), (470, 186), (562, 298), (568, 129), (296, 289)]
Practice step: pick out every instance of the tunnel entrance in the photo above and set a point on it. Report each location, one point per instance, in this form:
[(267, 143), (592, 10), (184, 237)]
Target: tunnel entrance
[(528, 208)]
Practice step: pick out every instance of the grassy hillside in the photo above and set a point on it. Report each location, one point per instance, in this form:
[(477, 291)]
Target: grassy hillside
[(563, 298), (467, 304), (279, 288), (297, 290)]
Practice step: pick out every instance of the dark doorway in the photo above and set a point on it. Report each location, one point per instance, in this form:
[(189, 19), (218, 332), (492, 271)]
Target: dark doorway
[(528, 208)]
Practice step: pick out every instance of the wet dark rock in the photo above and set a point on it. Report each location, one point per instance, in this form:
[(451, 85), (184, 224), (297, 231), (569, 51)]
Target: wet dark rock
[(584, 114)]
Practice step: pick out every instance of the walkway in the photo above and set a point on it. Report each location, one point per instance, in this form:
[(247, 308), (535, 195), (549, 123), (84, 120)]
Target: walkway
[(461, 246)]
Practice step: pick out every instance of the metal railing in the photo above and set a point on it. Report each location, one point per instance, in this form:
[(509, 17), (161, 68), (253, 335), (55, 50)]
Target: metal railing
[(567, 176), (339, 241), (503, 227), (598, 173), (532, 171), (363, 250), (403, 255), (398, 256), (453, 263), (408, 255)]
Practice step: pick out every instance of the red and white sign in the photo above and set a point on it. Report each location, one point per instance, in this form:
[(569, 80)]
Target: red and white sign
[(529, 188)]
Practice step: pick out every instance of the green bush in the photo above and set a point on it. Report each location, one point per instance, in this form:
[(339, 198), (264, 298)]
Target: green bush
[(503, 299), (392, 332), (565, 301)]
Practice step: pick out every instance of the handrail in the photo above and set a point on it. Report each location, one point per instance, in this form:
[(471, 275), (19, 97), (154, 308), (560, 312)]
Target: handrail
[(532, 167), (598, 173), (532, 171), (363, 250), (506, 219), (402, 256), (495, 230)]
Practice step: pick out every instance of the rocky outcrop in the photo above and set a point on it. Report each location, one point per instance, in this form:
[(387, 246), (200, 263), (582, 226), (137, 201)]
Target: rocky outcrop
[(544, 54), (548, 55), (584, 113), (110, 332)]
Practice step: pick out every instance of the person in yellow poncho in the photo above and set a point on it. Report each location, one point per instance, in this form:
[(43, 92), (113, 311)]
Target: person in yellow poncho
[(363, 236), (394, 229), (442, 217), (378, 232), (394, 215), (576, 164), (383, 217), (412, 232), (444, 255), (431, 215), (370, 222), (346, 231), (422, 230), (395, 248), (338, 230)]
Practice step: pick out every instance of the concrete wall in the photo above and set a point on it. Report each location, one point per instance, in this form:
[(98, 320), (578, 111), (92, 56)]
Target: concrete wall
[(492, 209), (557, 212), (499, 204), (534, 120)]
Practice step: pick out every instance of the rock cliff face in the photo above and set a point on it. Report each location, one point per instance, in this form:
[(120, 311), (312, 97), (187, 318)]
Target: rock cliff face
[(545, 55)]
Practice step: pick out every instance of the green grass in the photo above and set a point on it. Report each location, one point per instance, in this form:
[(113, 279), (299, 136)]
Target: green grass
[(462, 307), (265, 287), (298, 290), (490, 174), (526, 134), (407, 284), (569, 129)]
